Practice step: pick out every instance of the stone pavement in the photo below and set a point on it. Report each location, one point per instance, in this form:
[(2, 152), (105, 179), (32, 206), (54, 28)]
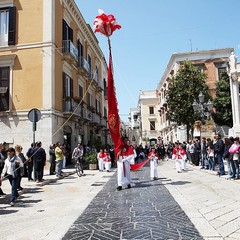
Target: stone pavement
[(146, 211), (195, 204), (212, 203)]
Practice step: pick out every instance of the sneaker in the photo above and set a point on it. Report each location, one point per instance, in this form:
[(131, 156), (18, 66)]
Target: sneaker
[(129, 186), (20, 189), (12, 204), (119, 188)]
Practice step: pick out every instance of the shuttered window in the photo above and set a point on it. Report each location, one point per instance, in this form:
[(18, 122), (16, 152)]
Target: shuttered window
[(67, 86), (7, 26), (4, 88)]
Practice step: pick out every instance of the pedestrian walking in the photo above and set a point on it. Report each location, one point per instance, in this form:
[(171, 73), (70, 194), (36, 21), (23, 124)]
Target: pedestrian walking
[(12, 171), (235, 150), (107, 160), (30, 163), (59, 153), (19, 154), (123, 165), (100, 157), (183, 155), (210, 156), (218, 151), (177, 157), (153, 158), (52, 159), (228, 157), (203, 153), (39, 158)]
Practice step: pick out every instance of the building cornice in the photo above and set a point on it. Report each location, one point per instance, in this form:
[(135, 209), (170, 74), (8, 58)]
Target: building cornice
[(204, 55)]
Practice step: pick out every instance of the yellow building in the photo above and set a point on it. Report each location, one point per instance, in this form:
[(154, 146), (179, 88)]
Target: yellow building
[(50, 60)]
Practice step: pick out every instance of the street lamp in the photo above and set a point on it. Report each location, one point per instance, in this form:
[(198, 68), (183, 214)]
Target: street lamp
[(202, 108)]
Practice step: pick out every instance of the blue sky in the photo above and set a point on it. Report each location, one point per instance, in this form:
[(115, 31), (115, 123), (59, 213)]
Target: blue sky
[(152, 30)]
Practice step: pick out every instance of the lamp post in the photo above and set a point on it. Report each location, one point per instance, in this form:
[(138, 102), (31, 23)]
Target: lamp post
[(203, 109)]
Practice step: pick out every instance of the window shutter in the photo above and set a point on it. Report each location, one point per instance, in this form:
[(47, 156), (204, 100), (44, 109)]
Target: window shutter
[(64, 84), (12, 26), (64, 30), (71, 87), (70, 34)]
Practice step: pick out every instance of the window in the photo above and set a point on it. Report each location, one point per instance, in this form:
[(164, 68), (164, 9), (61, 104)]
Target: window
[(221, 67), (221, 71), (152, 125), (90, 100), (67, 86), (90, 63), (4, 88), (7, 26), (97, 106), (151, 110), (80, 91), (105, 112)]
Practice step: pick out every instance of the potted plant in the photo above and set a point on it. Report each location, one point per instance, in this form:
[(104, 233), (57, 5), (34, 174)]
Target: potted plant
[(91, 159)]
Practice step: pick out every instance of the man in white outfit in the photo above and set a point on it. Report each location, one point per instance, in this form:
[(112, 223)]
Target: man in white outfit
[(123, 164)]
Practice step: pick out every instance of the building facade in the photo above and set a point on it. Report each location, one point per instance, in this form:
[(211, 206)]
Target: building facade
[(50, 60), (212, 62), (149, 115)]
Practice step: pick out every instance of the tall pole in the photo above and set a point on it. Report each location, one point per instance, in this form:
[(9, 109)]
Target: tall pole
[(234, 89)]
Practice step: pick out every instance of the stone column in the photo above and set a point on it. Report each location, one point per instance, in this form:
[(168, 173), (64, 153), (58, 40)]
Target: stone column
[(234, 88)]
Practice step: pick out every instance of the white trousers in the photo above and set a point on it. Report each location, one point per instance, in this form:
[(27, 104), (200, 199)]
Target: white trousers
[(123, 168), (107, 165), (153, 169), (100, 164), (178, 163)]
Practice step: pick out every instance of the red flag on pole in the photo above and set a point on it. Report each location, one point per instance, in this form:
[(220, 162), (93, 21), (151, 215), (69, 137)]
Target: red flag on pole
[(113, 116)]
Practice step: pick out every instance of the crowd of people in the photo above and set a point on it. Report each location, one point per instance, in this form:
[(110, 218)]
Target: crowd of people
[(206, 153)]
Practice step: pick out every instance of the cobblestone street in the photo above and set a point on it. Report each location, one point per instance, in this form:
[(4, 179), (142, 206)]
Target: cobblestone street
[(146, 211)]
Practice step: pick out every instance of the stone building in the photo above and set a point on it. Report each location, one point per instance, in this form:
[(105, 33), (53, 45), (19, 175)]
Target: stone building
[(50, 60)]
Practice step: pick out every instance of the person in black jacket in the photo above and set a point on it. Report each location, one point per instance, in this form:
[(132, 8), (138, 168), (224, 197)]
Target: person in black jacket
[(218, 151), (39, 158)]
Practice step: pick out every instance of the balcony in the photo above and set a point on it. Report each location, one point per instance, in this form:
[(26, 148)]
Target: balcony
[(83, 66), (103, 122), (93, 77), (70, 52), (70, 107), (100, 86), (106, 93)]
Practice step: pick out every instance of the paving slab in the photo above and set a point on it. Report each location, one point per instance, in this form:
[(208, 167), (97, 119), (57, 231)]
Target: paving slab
[(146, 211)]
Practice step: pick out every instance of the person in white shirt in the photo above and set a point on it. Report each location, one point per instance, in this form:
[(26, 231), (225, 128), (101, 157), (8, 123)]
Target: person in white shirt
[(12, 171)]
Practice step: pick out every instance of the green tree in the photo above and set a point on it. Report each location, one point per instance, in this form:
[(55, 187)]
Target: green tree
[(183, 89), (222, 103)]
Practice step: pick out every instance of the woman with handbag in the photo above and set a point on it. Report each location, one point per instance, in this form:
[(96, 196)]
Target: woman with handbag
[(12, 171)]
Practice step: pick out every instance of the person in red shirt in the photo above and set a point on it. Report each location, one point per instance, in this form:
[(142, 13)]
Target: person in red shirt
[(183, 155), (101, 155), (177, 157), (107, 160), (123, 165)]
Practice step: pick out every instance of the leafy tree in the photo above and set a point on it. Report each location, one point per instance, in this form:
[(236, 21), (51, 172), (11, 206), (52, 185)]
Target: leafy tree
[(183, 89), (222, 103)]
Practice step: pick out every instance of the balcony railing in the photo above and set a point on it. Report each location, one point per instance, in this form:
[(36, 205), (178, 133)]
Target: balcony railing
[(83, 63), (94, 77), (69, 48)]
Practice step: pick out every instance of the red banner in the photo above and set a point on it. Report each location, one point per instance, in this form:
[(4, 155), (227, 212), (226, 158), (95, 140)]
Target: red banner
[(113, 116)]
